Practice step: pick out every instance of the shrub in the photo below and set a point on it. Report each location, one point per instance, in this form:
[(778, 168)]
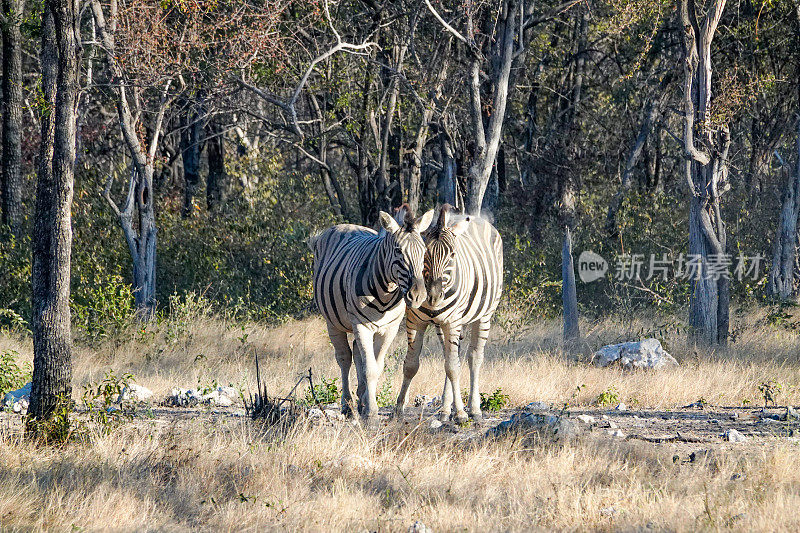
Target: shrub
[(494, 401), (12, 375)]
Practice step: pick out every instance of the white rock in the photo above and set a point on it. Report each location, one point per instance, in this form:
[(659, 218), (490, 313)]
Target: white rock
[(616, 433), (14, 396), (605, 417), (134, 393), (608, 511), (642, 354), (435, 424), (315, 413), (734, 436), (224, 400), (587, 419), (612, 425), (537, 406), (621, 407), (20, 406)]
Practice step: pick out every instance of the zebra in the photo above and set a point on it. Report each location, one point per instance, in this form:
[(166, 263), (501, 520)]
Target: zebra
[(363, 280), (464, 279)]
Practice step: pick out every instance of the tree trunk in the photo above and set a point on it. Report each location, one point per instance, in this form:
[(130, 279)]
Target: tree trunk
[(216, 181), (569, 294), (12, 118), (488, 141), (139, 202), (781, 277), (190, 153), (52, 236), (706, 175)]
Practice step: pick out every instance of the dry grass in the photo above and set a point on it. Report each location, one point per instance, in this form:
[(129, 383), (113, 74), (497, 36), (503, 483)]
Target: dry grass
[(220, 473)]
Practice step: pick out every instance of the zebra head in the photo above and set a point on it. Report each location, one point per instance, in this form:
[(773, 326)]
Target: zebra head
[(440, 255), (405, 252)]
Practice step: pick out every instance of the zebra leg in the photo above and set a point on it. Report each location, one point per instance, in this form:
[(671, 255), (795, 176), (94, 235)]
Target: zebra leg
[(447, 392), (477, 343), (452, 368), (369, 404), (360, 379), (410, 365), (345, 358)]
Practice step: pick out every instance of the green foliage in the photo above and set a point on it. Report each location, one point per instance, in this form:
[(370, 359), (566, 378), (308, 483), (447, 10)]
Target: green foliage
[(770, 390), (494, 401), (608, 397), (103, 306), (15, 279), (12, 375), (102, 401), (326, 392), (59, 428)]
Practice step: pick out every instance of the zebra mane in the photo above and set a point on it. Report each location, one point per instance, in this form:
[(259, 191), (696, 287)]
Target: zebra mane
[(408, 216)]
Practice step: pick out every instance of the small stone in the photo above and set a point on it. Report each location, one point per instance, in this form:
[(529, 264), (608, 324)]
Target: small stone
[(537, 406), (738, 477), (605, 417), (734, 436), (616, 433), (792, 415), (419, 527), (621, 407), (435, 424), (612, 425), (587, 419)]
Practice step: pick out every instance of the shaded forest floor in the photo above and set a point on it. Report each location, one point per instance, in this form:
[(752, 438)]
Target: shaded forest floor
[(211, 468)]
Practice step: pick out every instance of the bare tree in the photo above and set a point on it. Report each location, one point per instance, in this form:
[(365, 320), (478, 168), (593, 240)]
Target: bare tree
[(137, 216), (706, 171), (52, 235)]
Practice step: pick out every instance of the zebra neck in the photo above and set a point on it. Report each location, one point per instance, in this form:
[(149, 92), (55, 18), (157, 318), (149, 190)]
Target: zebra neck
[(379, 283)]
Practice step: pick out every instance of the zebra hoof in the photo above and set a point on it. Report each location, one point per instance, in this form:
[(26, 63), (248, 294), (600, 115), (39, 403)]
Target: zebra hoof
[(444, 417), (347, 410), (477, 419), (463, 420)]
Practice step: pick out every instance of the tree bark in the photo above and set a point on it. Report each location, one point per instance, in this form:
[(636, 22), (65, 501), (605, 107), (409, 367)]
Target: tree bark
[(52, 236), (781, 277), (11, 172)]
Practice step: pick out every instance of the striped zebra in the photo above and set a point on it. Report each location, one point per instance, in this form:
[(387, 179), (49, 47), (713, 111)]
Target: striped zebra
[(464, 278), (363, 280)]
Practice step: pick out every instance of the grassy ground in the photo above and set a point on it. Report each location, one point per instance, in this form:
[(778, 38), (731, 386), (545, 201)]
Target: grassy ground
[(207, 471)]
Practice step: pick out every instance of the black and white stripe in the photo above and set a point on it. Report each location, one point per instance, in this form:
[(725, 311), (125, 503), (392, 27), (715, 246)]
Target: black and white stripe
[(363, 280), (464, 280)]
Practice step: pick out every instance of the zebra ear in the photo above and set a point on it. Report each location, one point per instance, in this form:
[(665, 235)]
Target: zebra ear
[(387, 222), (424, 222), (460, 227)]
